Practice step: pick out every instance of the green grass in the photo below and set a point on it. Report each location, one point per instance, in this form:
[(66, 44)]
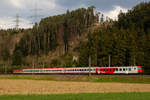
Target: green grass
[(26, 77), (82, 96), (124, 79), (143, 79)]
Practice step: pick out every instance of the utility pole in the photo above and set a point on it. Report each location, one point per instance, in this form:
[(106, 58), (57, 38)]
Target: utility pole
[(5, 69), (89, 65), (89, 54), (35, 15), (109, 60), (33, 65), (17, 22)]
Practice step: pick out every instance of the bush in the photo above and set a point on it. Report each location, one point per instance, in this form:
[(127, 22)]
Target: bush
[(55, 63)]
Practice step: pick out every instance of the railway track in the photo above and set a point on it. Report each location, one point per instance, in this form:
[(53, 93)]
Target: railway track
[(114, 75)]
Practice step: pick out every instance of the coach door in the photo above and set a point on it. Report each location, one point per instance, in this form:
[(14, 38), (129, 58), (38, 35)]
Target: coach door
[(98, 70), (101, 70)]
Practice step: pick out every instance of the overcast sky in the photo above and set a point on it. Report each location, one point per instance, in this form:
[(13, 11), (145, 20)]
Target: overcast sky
[(25, 9)]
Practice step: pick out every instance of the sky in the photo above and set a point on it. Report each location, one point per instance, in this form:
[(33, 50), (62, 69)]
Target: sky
[(26, 9)]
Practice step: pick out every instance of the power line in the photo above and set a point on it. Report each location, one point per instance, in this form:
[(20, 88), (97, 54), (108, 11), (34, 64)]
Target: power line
[(36, 16)]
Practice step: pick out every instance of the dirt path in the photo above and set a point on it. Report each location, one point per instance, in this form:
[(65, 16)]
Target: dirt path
[(54, 87)]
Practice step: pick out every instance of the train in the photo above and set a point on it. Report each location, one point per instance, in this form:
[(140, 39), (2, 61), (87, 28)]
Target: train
[(82, 70)]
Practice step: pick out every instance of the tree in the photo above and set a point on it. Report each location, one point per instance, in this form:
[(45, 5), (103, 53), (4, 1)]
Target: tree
[(84, 56), (102, 18), (17, 58), (97, 16), (6, 55)]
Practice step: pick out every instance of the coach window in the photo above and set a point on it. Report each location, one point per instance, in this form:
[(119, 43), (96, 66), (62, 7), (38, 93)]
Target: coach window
[(120, 69), (134, 68), (129, 69), (116, 69), (124, 69), (113, 69)]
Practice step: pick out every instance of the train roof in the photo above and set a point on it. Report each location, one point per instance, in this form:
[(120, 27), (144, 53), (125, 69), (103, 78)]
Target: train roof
[(79, 67)]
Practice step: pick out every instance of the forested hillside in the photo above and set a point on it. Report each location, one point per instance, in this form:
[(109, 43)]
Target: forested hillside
[(56, 30), (127, 42), (71, 38), (53, 36)]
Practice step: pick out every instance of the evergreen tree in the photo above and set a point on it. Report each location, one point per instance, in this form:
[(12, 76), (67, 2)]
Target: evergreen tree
[(17, 58), (6, 55)]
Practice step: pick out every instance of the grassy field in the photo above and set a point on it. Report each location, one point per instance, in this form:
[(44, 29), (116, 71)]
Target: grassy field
[(82, 96), (81, 78)]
